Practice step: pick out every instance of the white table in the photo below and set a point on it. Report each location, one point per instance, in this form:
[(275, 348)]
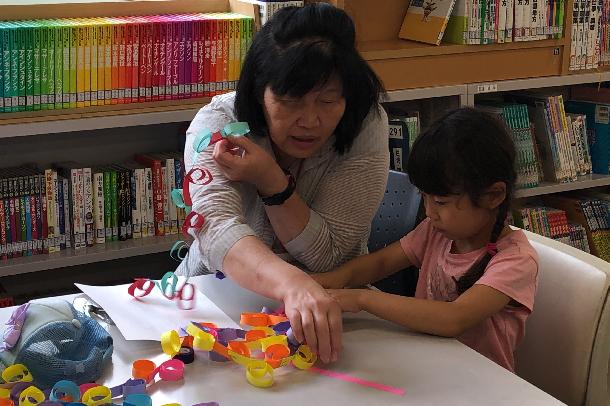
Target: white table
[(432, 370)]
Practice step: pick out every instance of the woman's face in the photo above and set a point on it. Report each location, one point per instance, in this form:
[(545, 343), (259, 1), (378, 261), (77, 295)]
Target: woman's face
[(300, 126)]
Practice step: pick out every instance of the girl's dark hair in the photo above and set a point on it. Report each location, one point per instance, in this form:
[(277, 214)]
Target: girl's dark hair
[(298, 50), (465, 151)]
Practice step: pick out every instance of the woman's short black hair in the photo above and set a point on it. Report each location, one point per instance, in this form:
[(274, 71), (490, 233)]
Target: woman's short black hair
[(298, 50)]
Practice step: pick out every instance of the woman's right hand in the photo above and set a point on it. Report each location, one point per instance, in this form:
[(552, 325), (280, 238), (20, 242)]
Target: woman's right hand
[(315, 317)]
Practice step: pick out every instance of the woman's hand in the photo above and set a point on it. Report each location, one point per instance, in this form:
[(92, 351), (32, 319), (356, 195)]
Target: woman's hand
[(348, 299), (315, 317), (253, 165)]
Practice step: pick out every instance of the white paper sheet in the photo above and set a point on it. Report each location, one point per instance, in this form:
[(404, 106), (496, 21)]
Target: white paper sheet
[(152, 315)]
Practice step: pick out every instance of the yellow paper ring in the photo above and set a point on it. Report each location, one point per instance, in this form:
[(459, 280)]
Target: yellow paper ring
[(202, 340), (273, 340), (240, 359), (17, 373), (33, 393), (96, 396), (5, 393), (170, 342), (259, 374), (304, 358)]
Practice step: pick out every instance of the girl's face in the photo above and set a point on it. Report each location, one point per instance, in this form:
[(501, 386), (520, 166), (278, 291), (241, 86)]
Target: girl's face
[(459, 219), (300, 126)]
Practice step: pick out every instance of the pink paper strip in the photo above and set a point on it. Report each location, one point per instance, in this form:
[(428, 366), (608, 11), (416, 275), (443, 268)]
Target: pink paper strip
[(359, 381)]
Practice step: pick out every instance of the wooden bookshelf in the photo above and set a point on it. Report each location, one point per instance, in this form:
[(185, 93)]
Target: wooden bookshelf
[(98, 117), (97, 253)]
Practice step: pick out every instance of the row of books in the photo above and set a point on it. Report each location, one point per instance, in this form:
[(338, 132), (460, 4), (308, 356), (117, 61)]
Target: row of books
[(552, 223), (71, 205), (404, 128), (590, 209), (483, 21), (73, 63), (590, 44), (516, 117)]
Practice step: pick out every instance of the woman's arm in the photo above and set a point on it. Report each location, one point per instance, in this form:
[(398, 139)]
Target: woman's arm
[(315, 316), (448, 319), (366, 269)]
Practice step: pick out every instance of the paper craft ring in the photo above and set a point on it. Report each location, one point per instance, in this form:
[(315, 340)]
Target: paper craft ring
[(17, 373), (304, 358), (259, 374), (239, 347), (236, 129), (171, 370), (100, 395), (186, 355), (202, 140), (254, 319), (142, 369), (6, 402), (273, 340), (275, 354), (170, 342), (63, 389), (31, 396)]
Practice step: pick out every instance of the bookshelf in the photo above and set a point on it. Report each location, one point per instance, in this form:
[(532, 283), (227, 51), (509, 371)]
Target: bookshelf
[(97, 118), (97, 253), (583, 182)]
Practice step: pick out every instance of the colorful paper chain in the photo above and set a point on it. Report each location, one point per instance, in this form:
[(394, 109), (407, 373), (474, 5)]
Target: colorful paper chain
[(202, 176), (268, 337), (199, 176), (184, 295), (18, 389)]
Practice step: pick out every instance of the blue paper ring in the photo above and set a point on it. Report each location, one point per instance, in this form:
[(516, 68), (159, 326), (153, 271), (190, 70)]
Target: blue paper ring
[(65, 387)]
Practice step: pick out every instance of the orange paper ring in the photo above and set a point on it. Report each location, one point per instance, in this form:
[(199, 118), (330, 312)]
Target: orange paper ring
[(255, 319), (275, 354), (239, 347), (254, 335), (6, 402), (143, 369)]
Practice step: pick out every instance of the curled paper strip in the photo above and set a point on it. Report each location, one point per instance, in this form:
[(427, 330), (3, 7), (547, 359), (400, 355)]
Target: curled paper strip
[(184, 295)]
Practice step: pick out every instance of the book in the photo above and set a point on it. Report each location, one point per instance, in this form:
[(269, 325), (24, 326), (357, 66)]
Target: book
[(426, 20)]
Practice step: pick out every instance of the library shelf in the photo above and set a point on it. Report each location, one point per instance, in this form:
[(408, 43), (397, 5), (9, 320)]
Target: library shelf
[(583, 182), (98, 117), (427, 92), (97, 253)]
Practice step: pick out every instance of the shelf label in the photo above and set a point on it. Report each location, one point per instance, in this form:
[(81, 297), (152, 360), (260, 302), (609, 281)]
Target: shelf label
[(487, 87)]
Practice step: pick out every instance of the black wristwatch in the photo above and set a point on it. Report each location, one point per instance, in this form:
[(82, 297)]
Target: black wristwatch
[(281, 197)]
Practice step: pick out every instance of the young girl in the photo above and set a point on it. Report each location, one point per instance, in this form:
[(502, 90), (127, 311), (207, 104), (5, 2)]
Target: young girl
[(477, 277)]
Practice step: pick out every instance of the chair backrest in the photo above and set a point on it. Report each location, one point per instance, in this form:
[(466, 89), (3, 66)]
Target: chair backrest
[(397, 213), (566, 347)]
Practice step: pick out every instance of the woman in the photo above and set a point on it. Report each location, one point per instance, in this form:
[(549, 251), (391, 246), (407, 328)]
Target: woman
[(310, 175)]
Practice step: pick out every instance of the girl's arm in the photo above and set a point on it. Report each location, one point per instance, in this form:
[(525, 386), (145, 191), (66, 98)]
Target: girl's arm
[(448, 319), (366, 269)]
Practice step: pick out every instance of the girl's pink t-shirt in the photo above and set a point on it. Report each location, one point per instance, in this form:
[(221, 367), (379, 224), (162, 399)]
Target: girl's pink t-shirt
[(512, 271)]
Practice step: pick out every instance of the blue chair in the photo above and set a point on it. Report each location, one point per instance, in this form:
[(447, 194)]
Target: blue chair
[(396, 216)]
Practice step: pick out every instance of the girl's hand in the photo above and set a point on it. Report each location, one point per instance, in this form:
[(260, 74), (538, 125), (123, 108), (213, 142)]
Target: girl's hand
[(349, 299), (336, 279), (253, 165), (315, 318)]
